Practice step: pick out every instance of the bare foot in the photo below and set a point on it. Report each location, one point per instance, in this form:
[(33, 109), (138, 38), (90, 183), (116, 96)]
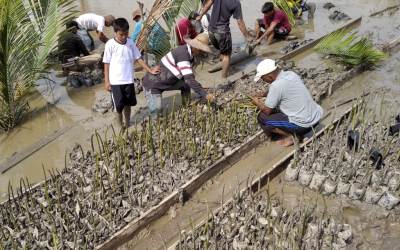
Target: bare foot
[(286, 142)]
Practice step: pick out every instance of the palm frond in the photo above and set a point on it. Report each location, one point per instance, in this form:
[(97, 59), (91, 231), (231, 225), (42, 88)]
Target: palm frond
[(29, 32), (350, 49), (166, 12), (285, 7)]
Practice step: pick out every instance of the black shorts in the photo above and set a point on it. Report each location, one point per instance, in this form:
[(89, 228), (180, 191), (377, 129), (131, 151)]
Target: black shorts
[(281, 121), (123, 95), (222, 42), (280, 32)]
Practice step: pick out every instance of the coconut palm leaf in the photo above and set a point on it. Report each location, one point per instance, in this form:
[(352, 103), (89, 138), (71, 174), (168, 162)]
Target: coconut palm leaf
[(350, 49), (283, 5), (152, 39), (28, 33)]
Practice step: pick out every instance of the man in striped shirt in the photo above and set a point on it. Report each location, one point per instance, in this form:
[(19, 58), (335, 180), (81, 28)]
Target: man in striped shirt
[(176, 73)]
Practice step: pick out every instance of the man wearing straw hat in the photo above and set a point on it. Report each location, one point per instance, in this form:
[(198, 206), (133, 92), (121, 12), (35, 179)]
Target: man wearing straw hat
[(176, 73), (297, 111)]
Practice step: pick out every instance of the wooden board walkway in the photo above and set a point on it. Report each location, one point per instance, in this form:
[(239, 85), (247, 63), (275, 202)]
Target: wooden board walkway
[(26, 152)]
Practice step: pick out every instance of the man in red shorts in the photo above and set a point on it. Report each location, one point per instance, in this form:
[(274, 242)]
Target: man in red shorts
[(275, 23)]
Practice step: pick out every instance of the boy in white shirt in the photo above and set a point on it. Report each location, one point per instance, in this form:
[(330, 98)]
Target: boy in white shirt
[(120, 54)]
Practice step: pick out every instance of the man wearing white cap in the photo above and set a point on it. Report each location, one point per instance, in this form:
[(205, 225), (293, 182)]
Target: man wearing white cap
[(297, 111), (176, 73)]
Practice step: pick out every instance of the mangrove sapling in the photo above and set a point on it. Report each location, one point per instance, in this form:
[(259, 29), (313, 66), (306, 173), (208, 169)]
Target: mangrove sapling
[(358, 176)]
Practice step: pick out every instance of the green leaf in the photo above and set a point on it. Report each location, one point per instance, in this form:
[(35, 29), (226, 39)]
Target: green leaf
[(350, 49), (29, 31)]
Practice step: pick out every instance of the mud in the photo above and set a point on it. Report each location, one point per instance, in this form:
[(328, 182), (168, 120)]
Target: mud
[(261, 222), (58, 105), (364, 168), (84, 98), (120, 178), (369, 223)]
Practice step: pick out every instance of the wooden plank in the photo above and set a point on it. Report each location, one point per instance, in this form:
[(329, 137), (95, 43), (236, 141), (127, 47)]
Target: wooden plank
[(251, 69), (384, 10), (274, 171), (189, 188), (235, 58), (25, 153), (186, 190), (129, 230), (311, 44)]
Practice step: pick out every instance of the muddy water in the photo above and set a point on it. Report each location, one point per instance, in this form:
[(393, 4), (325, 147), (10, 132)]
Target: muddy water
[(369, 222), (58, 106), (63, 106)]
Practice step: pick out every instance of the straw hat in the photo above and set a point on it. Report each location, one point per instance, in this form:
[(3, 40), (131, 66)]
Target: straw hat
[(136, 13), (264, 68), (201, 42)]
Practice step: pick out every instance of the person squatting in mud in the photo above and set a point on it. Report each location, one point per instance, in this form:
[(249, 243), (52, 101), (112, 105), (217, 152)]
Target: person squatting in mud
[(275, 22), (70, 45), (92, 22), (119, 55), (289, 108), (176, 73)]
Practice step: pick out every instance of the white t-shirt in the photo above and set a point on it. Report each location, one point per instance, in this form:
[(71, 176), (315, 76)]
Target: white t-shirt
[(91, 21), (205, 23), (121, 58), (292, 97)]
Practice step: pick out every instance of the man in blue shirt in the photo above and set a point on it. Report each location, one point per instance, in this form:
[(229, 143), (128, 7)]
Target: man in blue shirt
[(137, 17), (156, 36)]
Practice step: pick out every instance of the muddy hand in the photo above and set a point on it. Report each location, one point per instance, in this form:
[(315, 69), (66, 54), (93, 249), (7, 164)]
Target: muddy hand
[(260, 94), (210, 98), (255, 100)]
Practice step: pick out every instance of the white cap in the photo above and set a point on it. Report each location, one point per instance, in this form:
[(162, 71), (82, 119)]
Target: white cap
[(265, 67)]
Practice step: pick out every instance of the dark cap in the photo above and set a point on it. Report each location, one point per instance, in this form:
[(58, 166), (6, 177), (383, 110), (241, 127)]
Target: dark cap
[(72, 24)]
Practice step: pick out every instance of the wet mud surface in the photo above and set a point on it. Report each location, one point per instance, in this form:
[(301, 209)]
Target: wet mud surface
[(84, 212), (359, 159), (261, 222), (59, 106), (120, 178)]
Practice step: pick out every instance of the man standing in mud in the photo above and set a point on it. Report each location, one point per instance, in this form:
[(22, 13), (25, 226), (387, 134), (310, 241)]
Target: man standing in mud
[(289, 108), (219, 30)]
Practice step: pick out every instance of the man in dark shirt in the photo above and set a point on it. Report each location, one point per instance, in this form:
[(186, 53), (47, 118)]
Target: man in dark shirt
[(219, 30), (176, 73), (70, 44)]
